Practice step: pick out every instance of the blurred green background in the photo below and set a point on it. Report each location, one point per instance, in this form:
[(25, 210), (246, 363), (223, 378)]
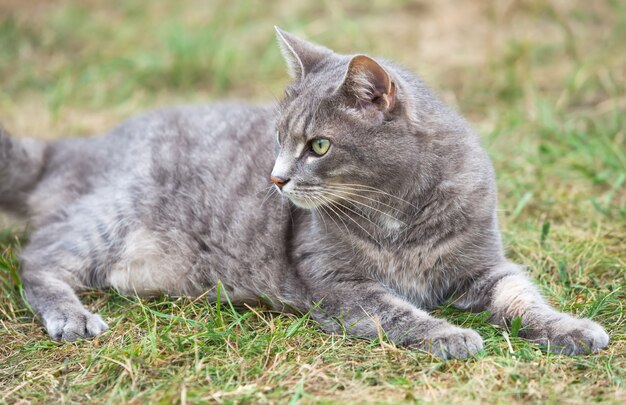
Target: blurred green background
[(542, 81)]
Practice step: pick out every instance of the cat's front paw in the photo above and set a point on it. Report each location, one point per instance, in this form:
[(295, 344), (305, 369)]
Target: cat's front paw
[(453, 342), (74, 324), (572, 336)]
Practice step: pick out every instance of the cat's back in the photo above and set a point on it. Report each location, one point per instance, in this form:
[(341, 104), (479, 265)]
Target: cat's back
[(167, 148), (186, 132)]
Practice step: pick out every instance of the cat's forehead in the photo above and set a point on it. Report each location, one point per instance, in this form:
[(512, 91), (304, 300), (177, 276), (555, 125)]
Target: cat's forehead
[(326, 118), (298, 112), (308, 105)]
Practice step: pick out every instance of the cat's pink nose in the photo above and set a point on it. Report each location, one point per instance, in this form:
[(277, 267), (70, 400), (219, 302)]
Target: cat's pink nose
[(279, 181)]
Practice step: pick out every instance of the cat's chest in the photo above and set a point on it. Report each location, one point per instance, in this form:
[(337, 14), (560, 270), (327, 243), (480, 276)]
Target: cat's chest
[(418, 274)]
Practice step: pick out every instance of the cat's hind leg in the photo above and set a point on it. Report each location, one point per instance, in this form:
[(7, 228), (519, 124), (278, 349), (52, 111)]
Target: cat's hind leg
[(507, 293), (52, 270)]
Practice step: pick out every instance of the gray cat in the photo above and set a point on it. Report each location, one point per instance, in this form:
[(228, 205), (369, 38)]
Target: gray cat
[(383, 204)]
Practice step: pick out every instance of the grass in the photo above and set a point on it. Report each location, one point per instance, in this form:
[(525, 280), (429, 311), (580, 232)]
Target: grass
[(544, 83)]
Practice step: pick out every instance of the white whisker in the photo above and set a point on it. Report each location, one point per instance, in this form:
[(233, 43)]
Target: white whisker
[(367, 206), (316, 208), (362, 187), (348, 191), (337, 205), (320, 198), (268, 193)]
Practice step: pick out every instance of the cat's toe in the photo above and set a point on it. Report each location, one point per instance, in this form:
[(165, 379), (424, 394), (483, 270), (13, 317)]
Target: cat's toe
[(454, 342), (73, 325)]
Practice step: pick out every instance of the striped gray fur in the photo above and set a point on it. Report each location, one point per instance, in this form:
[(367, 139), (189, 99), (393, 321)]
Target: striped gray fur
[(397, 217)]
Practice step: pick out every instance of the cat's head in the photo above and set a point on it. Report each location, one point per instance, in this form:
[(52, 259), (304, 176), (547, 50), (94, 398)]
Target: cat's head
[(343, 127)]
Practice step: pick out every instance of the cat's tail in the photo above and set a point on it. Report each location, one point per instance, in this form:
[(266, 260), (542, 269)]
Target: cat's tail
[(21, 166)]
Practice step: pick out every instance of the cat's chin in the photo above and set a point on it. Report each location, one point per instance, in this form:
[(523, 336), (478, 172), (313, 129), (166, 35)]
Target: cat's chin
[(303, 202)]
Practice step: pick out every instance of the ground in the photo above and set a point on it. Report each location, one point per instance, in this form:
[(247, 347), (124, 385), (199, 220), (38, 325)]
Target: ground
[(544, 84)]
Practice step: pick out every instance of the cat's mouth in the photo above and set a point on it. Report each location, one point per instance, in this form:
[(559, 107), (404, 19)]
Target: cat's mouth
[(304, 199), (311, 197), (304, 203)]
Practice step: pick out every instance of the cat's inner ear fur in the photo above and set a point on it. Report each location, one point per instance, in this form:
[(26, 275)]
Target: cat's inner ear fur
[(300, 55), (368, 84)]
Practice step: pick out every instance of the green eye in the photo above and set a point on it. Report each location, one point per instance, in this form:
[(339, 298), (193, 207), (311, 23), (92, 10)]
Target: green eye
[(320, 146)]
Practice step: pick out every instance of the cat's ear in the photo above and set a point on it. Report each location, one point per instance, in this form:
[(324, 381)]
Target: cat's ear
[(301, 56), (368, 84)]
